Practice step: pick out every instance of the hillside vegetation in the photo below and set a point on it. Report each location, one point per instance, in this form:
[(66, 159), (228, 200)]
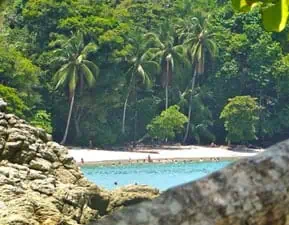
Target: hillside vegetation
[(103, 71)]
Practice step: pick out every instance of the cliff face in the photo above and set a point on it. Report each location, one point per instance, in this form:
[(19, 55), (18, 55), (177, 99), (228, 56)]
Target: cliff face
[(40, 184)]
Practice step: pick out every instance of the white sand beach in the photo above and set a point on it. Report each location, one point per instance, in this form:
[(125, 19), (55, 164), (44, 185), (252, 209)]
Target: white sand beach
[(91, 156)]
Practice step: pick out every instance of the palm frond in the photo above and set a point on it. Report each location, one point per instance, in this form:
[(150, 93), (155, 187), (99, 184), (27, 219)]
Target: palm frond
[(89, 48), (191, 40), (153, 38), (141, 73), (151, 67), (212, 47), (93, 67), (88, 75), (61, 75)]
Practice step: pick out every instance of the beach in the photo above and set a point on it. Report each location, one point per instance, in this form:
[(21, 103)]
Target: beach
[(163, 154)]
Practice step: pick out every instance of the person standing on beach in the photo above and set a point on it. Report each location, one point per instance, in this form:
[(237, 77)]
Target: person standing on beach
[(149, 159)]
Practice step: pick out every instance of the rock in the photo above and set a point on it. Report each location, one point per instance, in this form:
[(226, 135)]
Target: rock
[(35, 174), (42, 186), (49, 137), (131, 195), (2, 144), (10, 116), (40, 164), (15, 134), (10, 150), (2, 205), (65, 176), (98, 199), (12, 121), (48, 154), (42, 135), (65, 158), (3, 123), (14, 146), (89, 215), (3, 132)]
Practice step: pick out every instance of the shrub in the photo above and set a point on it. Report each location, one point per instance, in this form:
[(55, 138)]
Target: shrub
[(15, 103), (241, 116), (167, 124), (42, 119)]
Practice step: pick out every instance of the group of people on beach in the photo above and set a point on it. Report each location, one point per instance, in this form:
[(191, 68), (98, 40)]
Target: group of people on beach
[(150, 160)]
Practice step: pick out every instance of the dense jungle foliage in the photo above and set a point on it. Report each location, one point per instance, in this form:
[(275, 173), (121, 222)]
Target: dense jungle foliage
[(103, 71)]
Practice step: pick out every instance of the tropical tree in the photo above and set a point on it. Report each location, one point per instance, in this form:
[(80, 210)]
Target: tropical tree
[(168, 52), (241, 118), (141, 68), (76, 70), (200, 46), (166, 125), (274, 13)]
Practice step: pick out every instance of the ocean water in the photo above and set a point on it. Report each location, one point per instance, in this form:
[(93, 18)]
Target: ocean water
[(159, 175)]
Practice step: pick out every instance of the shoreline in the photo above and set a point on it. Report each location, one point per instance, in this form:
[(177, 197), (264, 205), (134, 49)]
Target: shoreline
[(158, 155), (155, 161)]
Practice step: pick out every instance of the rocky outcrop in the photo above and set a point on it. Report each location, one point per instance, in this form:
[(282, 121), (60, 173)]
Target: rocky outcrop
[(253, 191), (40, 184), (130, 195)]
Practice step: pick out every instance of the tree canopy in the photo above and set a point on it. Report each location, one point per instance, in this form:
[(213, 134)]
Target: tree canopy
[(274, 13), (100, 71)]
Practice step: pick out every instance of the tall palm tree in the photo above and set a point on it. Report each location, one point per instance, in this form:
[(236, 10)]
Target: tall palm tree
[(201, 46), (169, 53), (141, 67), (76, 70)]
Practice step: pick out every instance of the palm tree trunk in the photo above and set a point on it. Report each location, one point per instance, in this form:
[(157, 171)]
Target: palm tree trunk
[(68, 120), (167, 86), (135, 128), (125, 104), (124, 114), (76, 124), (135, 115), (190, 107)]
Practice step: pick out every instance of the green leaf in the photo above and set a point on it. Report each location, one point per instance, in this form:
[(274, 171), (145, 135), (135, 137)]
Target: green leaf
[(240, 5), (275, 16), (89, 76)]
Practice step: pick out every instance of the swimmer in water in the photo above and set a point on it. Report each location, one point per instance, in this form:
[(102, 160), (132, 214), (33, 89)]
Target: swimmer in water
[(115, 183)]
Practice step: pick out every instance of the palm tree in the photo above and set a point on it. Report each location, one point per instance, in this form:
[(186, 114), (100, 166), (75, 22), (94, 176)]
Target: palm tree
[(141, 66), (184, 8), (76, 69), (168, 52), (200, 47)]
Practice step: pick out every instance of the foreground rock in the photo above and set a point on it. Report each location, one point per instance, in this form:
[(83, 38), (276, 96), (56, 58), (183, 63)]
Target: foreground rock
[(40, 183), (253, 191)]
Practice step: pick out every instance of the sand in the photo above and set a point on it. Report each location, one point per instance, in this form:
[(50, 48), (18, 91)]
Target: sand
[(169, 153)]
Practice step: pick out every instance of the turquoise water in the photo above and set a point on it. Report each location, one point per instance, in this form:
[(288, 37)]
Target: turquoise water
[(161, 176)]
